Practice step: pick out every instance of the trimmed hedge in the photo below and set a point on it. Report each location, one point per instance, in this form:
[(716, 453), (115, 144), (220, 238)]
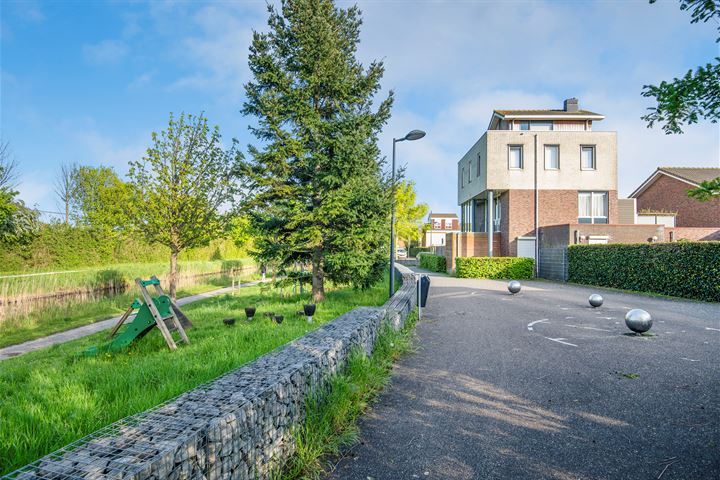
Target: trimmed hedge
[(434, 263), (413, 251), (62, 247), (494, 267), (680, 269)]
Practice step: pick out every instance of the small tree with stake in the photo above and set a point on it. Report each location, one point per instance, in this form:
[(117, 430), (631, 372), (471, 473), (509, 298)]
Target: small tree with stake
[(184, 181)]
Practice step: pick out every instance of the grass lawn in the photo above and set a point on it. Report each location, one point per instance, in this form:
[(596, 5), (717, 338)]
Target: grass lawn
[(62, 316), (50, 398)]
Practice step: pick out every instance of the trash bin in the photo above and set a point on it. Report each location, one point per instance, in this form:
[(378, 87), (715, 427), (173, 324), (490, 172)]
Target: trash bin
[(424, 289)]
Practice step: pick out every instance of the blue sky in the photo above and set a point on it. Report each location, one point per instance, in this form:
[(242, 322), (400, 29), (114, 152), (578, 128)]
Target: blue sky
[(88, 82)]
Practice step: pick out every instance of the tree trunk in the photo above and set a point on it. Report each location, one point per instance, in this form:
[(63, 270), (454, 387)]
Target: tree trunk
[(173, 274), (67, 212), (318, 276)]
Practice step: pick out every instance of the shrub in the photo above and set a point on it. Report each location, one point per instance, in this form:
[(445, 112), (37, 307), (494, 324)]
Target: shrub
[(681, 269), (414, 251), (494, 267), (434, 263)]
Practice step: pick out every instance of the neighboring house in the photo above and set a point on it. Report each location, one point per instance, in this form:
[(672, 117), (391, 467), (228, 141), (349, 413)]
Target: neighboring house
[(664, 195), (555, 153), (440, 224)]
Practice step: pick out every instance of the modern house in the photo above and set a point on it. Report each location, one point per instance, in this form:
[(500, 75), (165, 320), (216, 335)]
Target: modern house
[(439, 225), (662, 198), (534, 168)]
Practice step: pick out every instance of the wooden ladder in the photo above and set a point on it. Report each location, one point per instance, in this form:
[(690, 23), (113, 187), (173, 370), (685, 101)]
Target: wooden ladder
[(159, 320)]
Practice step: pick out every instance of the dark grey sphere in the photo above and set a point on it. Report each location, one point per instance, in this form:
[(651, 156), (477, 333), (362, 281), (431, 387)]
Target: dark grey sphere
[(514, 287), (639, 321), (595, 300)]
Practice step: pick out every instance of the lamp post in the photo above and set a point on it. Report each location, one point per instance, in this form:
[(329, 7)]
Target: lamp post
[(412, 135)]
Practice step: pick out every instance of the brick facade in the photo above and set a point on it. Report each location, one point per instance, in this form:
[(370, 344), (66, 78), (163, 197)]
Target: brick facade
[(468, 244), (556, 207), (667, 194)]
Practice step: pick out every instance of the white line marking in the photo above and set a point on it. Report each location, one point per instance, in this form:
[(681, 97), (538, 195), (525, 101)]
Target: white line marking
[(716, 329), (530, 325), (568, 318), (607, 318), (589, 328), (689, 359), (560, 340)]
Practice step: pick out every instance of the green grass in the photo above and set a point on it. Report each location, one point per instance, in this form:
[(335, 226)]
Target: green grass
[(59, 316), (50, 398), (89, 279), (331, 420)]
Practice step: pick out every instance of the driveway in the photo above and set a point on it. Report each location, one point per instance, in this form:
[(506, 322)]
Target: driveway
[(539, 385)]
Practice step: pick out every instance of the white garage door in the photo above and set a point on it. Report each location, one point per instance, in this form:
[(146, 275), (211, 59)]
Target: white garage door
[(526, 247)]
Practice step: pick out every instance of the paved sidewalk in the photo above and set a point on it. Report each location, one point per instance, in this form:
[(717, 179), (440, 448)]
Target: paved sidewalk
[(75, 333), (540, 386)]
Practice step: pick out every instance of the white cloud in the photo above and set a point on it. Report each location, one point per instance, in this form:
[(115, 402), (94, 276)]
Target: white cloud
[(98, 149), (141, 80), (105, 52), (451, 64)]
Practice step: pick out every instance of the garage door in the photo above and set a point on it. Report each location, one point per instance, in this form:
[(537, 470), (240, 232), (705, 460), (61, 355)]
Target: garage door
[(526, 247)]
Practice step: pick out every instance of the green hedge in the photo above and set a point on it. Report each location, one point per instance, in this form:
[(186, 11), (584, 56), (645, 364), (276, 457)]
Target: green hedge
[(494, 267), (434, 263), (681, 269), (59, 246), (413, 251)]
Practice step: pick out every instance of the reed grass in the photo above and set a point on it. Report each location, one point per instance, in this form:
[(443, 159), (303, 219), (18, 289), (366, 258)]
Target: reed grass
[(50, 398), (60, 314)]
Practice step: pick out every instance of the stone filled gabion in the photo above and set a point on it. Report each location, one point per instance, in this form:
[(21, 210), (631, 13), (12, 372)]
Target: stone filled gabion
[(638, 320), (514, 287), (238, 426), (595, 300)]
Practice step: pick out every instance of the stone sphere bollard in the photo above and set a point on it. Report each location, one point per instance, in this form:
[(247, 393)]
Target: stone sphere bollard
[(595, 300), (639, 321), (514, 287)]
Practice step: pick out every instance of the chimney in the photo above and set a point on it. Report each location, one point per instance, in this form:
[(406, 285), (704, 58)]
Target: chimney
[(571, 105)]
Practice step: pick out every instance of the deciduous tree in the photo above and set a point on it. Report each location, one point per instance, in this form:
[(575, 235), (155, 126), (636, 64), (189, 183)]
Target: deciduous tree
[(65, 185), (18, 223), (316, 191), (408, 214), (184, 186), (695, 96), (101, 199)]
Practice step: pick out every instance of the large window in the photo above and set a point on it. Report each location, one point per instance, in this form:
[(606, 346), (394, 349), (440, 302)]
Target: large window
[(515, 157), (552, 157), (592, 207), (587, 157), (479, 164)]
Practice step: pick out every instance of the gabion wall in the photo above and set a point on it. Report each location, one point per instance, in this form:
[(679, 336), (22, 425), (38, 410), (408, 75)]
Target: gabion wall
[(235, 427)]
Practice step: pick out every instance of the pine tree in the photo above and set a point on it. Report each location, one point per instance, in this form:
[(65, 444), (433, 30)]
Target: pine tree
[(316, 190)]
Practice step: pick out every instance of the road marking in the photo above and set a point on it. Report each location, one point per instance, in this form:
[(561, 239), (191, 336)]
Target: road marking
[(689, 359), (568, 318), (560, 340), (589, 328), (530, 325), (716, 329)]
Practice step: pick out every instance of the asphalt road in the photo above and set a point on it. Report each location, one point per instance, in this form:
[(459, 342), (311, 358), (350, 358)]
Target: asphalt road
[(491, 395)]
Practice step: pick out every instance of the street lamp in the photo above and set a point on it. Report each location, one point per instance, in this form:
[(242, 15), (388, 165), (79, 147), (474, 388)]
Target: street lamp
[(412, 135)]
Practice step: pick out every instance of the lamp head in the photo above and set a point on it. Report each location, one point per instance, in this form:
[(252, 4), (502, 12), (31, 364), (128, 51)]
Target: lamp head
[(414, 135)]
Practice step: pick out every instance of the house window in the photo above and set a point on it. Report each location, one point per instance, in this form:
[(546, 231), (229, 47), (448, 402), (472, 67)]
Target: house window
[(479, 164), (552, 157), (448, 224), (515, 157), (525, 125), (462, 178), (587, 157), (592, 207), (496, 218), (436, 224), (541, 125)]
